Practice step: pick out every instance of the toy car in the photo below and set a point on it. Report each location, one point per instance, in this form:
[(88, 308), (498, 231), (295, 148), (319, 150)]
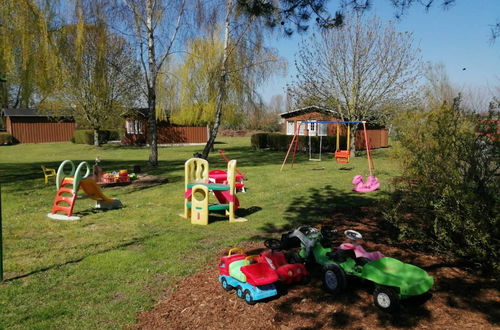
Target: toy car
[(394, 279), (252, 281), (288, 273)]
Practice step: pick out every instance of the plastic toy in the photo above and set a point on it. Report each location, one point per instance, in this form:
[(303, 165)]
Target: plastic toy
[(68, 185), (394, 279), (197, 188), (252, 281), (220, 176), (362, 187), (288, 273), (47, 173), (372, 182)]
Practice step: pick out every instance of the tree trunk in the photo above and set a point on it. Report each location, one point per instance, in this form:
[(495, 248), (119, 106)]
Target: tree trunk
[(153, 138), (354, 130), (222, 88), (96, 138)]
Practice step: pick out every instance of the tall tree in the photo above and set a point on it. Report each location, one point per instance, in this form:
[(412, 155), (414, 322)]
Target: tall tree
[(357, 70), (27, 58), (94, 61), (154, 27)]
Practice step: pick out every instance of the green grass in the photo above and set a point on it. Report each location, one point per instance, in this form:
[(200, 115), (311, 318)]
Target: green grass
[(103, 270)]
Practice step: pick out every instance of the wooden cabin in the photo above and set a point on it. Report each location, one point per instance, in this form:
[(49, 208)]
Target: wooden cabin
[(31, 126), (136, 131)]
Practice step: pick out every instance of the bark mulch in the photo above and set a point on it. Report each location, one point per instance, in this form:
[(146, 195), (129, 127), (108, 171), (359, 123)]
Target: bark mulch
[(460, 299)]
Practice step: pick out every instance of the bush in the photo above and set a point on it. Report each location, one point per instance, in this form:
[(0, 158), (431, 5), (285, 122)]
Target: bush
[(259, 141), (86, 136), (6, 139), (449, 196)]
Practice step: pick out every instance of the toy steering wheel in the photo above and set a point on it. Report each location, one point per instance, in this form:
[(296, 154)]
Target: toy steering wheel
[(273, 244), (352, 234)]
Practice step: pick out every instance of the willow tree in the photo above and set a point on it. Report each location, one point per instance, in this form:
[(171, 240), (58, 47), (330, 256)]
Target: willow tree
[(100, 71), (358, 70), (198, 81), (27, 58)]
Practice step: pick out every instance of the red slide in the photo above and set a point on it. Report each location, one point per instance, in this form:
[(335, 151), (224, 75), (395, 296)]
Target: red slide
[(224, 197)]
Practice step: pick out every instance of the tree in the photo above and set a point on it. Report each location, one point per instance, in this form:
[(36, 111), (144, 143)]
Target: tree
[(198, 75), (27, 58), (94, 61), (154, 27), (357, 70)]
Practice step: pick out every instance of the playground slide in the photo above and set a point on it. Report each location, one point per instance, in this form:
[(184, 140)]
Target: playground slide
[(91, 188), (224, 197)]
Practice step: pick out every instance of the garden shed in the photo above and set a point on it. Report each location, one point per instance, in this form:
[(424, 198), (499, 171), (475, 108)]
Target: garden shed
[(31, 126), (136, 131), (378, 136)]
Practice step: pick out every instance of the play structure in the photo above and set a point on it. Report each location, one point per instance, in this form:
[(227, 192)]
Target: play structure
[(341, 155), (252, 280), (68, 184), (197, 189), (393, 279)]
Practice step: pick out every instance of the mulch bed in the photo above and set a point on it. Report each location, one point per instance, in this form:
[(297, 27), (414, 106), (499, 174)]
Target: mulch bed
[(459, 299)]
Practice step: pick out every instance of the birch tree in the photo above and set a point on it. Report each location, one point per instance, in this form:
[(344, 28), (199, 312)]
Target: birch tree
[(154, 26), (358, 70)]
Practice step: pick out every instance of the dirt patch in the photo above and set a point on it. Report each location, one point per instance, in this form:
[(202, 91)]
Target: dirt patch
[(142, 181), (458, 300)]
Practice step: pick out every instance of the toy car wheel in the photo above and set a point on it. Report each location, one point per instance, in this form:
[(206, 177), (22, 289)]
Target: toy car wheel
[(239, 291), (224, 284), (386, 299), (334, 278), (248, 297)]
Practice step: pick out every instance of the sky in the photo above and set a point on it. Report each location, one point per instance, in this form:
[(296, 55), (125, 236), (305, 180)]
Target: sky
[(458, 37)]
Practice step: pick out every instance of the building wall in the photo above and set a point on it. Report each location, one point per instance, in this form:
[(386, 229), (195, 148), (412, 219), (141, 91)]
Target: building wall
[(168, 134), (377, 138), (39, 129)]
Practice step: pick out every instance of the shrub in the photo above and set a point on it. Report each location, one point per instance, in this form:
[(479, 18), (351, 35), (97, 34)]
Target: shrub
[(6, 139), (259, 141), (449, 196), (86, 136)]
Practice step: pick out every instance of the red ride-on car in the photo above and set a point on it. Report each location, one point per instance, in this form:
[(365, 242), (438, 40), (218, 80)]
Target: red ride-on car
[(287, 273)]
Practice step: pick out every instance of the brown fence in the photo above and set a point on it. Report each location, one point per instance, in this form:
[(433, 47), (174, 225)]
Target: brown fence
[(377, 138), (39, 129)]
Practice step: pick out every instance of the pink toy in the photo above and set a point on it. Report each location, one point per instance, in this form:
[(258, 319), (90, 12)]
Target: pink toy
[(361, 252), (370, 185)]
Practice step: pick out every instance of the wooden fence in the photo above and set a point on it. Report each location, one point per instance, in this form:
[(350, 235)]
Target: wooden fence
[(39, 129)]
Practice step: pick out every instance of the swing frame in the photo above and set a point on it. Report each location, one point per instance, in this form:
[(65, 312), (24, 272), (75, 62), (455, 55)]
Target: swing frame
[(295, 139)]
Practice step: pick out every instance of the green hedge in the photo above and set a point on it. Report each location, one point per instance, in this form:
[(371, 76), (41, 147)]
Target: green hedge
[(281, 142), (259, 141), (86, 136), (6, 139)]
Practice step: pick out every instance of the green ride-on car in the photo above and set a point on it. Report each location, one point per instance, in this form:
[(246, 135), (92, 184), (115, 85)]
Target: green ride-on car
[(393, 279)]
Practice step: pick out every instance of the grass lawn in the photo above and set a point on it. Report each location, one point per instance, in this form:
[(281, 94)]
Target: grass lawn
[(104, 269)]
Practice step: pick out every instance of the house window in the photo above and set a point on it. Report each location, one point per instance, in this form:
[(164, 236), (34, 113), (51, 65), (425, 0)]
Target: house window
[(322, 129), (302, 128), (290, 127), (134, 127)]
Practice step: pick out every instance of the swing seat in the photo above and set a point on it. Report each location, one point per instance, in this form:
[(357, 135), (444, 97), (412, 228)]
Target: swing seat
[(342, 156), (371, 184)]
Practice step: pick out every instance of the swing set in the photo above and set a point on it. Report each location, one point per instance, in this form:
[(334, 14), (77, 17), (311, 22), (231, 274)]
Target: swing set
[(342, 156)]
